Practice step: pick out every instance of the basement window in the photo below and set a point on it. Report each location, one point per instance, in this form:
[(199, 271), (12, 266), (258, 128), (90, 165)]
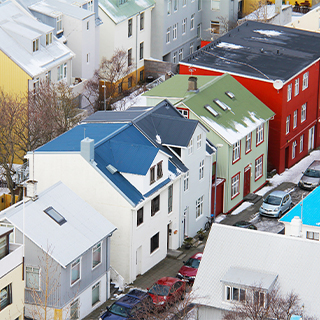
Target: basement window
[(55, 215)]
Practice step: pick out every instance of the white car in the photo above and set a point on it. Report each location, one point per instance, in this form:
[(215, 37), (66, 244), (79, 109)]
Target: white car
[(276, 204)]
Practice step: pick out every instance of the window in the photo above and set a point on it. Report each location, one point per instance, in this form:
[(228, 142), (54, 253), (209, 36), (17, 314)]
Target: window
[(184, 3), (258, 298), (48, 38), (175, 5), (5, 296), (122, 1), (88, 57), (186, 181), (129, 57), (184, 112), (129, 27), (260, 134), (312, 235), (236, 152), (159, 170), (139, 216), (303, 112), (201, 169), (152, 174), (88, 25), (199, 207), (175, 57), (215, 4), (154, 243), (65, 70), (32, 277), (294, 145), (248, 142), (199, 5), (295, 119), (258, 168), (11, 235), (60, 72), (235, 294), (301, 143), (168, 35), (180, 54), (192, 22), (296, 87), (184, 25), (75, 271), (90, 5), (305, 81), (155, 205), (36, 83), (169, 7), (96, 293), (199, 141), (141, 21), (199, 30), (214, 27), (190, 147), (288, 124), (59, 23), (170, 194), (129, 82), (35, 45), (120, 87), (235, 182), (74, 310), (289, 92), (48, 76), (4, 248), (174, 31), (96, 255), (55, 215)]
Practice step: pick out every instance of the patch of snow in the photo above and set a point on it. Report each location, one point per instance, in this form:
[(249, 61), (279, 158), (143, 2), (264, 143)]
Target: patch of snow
[(229, 45), (242, 207), (269, 33), (220, 217), (172, 176)]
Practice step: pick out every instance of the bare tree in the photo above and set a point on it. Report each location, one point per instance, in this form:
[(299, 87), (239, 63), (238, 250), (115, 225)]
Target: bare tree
[(91, 91)]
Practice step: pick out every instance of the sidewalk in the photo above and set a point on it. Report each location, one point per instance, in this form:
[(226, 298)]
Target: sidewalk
[(168, 267)]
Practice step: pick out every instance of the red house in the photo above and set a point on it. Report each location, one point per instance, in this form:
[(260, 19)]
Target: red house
[(280, 66)]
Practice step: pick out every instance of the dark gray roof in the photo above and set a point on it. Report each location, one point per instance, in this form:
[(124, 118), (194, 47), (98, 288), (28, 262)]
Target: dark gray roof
[(114, 116), (260, 50)]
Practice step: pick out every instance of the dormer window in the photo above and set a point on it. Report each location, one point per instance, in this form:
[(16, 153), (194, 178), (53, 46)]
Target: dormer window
[(159, 170), (35, 45), (4, 246), (90, 5), (59, 23), (48, 38)]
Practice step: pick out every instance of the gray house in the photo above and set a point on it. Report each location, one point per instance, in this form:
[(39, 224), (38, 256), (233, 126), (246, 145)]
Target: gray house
[(66, 252)]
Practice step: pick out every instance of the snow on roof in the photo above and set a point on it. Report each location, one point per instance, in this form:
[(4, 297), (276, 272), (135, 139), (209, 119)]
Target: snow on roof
[(269, 33), (229, 45)]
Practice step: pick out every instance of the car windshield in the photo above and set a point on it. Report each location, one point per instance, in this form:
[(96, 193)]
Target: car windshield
[(312, 173), (159, 290), (274, 200), (119, 310), (192, 263)]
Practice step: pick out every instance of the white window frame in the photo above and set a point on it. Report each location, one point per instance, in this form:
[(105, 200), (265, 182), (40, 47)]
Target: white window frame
[(184, 25), (192, 22), (174, 57), (260, 134), (296, 87), (186, 181), (303, 112), (97, 247), (199, 5), (168, 35), (180, 54), (31, 270), (231, 297), (199, 207), (289, 92), (60, 72), (201, 170), (169, 7), (141, 21), (170, 198), (301, 143), (199, 140), (191, 48), (36, 45), (248, 142), (175, 31), (235, 185), (294, 145), (184, 3), (65, 70), (199, 30), (59, 23), (73, 265), (305, 81), (288, 124), (190, 146), (74, 314), (48, 38), (97, 285), (215, 5), (258, 168), (214, 27), (175, 5), (236, 151), (90, 5), (312, 235), (295, 119)]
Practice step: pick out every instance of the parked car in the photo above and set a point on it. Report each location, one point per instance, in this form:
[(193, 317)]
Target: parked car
[(245, 224), (276, 204), (311, 177), (190, 267), (135, 304), (167, 291)]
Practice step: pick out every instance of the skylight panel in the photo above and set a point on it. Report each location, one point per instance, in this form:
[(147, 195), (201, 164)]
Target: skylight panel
[(55, 215), (211, 110), (221, 104), (230, 94)]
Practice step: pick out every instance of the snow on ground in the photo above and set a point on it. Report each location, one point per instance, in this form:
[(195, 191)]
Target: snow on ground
[(243, 206)]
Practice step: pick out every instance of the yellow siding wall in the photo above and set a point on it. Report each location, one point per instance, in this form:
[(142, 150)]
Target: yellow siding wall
[(12, 77), (14, 310), (292, 2), (5, 201)]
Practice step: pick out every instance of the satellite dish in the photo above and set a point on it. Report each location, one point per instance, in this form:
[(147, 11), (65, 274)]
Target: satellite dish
[(278, 84)]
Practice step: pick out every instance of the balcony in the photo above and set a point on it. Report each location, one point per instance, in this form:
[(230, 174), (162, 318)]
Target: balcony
[(11, 260)]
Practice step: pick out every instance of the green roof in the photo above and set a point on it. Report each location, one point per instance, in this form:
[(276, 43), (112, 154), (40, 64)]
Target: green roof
[(120, 12), (176, 87), (244, 112)]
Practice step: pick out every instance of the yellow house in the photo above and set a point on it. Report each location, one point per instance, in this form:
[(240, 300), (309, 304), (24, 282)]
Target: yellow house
[(11, 277)]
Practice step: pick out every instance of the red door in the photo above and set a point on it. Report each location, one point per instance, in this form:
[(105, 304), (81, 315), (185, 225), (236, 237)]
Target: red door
[(246, 183), (219, 196)]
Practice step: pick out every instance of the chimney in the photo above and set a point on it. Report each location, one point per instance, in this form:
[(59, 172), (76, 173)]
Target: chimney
[(32, 189), (192, 84), (87, 149)]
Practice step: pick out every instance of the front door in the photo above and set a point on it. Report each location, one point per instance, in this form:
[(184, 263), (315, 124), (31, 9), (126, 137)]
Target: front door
[(247, 178), (311, 139)]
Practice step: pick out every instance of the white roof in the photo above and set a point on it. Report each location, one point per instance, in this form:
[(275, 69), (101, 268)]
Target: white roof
[(84, 226), (19, 25), (294, 260)]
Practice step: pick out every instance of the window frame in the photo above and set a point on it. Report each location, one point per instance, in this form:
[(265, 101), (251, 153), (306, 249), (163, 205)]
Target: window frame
[(199, 141), (191, 48), (190, 147), (288, 124), (59, 23), (154, 240), (175, 31), (37, 288), (184, 26), (74, 314), (170, 198), (235, 185), (141, 21), (130, 22), (236, 152), (139, 216), (296, 87), (186, 181), (169, 7), (201, 170), (159, 170), (199, 207), (304, 112), (168, 35), (213, 8), (199, 30), (152, 174), (293, 151), (95, 248), (36, 45), (258, 168), (141, 50), (73, 264), (175, 5), (199, 5), (180, 54), (301, 143), (94, 287), (155, 205), (312, 233), (8, 289), (248, 143), (289, 92), (48, 38), (192, 21), (295, 119), (214, 27), (129, 57), (305, 80), (260, 135)]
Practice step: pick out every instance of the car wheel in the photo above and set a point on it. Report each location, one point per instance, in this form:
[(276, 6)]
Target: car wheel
[(280, 214)]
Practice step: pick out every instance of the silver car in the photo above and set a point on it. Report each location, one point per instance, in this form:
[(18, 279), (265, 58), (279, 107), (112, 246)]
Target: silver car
[(276, 204), (311, 177)]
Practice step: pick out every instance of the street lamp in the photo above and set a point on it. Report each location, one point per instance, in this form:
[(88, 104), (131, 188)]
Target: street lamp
[(217, 146), (104, 95)]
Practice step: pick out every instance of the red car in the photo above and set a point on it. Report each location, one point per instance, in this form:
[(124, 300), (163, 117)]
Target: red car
[(189, 270), (167, 291)]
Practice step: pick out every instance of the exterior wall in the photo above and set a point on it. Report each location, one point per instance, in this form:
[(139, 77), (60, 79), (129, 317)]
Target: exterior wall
[(308, 21), (205, 313), (12, 78)]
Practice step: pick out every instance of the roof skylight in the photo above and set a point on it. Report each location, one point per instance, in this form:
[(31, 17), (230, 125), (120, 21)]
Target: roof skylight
[(221, 104), (211, 110), (230, 94), (55, 215)]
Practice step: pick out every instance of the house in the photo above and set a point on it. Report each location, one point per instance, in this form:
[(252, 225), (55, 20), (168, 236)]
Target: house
[(303, 220), (127, 25), (11, 277), (29, 51), (238, 124), (271, 63), (308, 21), (244, 260), (66, 259)]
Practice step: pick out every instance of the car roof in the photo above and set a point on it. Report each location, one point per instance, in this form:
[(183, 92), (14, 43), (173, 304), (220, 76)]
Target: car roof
[(278, 193), (197, 256), (138, 294), (128, 301), (168, 281), (315, 165)]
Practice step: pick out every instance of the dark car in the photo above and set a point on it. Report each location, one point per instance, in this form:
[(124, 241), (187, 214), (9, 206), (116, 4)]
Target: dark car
[(245, 224), (311, 177), (166, 291), (134, 305), (189, 270)]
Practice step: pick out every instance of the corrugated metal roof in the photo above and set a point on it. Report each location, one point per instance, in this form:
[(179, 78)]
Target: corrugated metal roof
[(114, 116), (69, 240)]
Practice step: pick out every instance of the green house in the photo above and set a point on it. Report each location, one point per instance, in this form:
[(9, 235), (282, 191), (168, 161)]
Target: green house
[(238, 125)]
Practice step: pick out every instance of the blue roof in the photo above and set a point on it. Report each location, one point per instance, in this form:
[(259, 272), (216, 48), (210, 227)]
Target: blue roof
[(310, 208), (160, 185)]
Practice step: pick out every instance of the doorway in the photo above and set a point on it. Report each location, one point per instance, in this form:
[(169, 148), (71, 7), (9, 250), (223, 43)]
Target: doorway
[(185, 221), (246, 180), (311, 139)]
